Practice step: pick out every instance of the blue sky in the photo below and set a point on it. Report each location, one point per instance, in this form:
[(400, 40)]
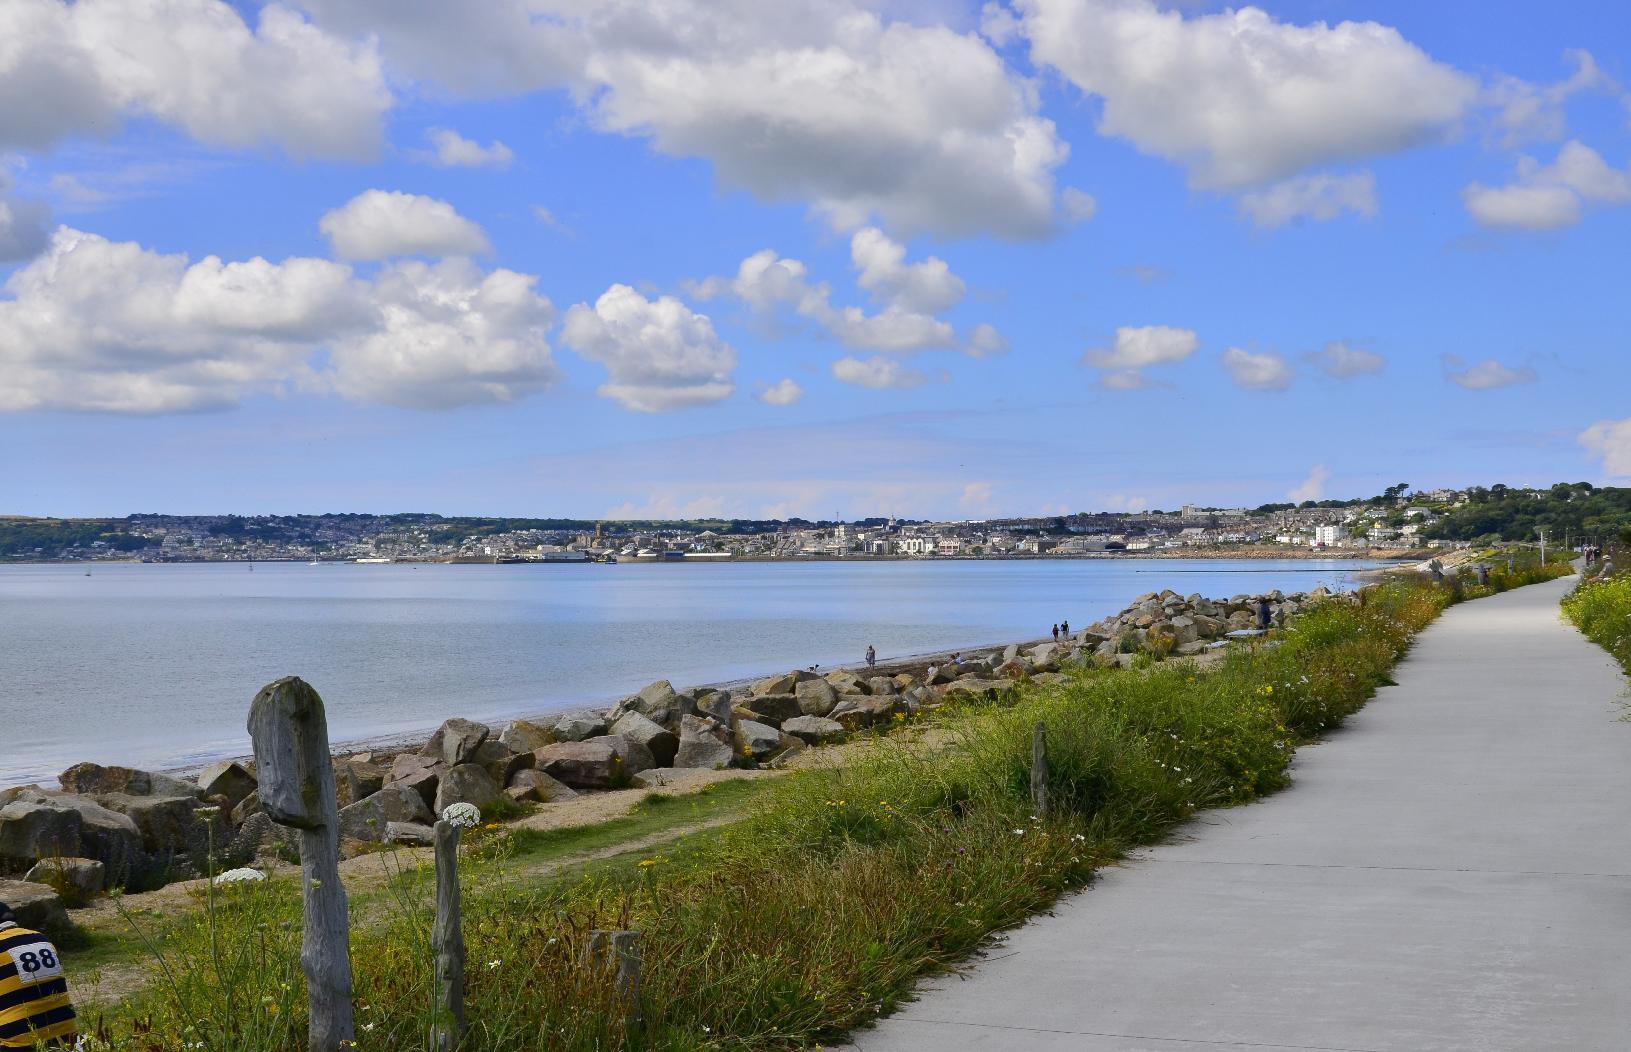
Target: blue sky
[(1050, 255)]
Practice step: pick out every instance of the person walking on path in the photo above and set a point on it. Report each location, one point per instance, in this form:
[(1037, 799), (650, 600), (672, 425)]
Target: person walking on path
[(1056, 633), (35, 1011), (871, 657), (1064, 629)]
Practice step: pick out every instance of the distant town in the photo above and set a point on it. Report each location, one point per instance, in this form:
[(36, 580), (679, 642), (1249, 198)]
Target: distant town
[(1396, 523)]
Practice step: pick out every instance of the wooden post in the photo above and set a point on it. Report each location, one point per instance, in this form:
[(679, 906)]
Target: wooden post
[(1039, 769), (447, 937), (623, 949), (296, 775)]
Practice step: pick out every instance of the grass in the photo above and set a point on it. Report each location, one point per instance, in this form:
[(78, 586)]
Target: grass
[(654, 814), (818, 910), (1601, 608)]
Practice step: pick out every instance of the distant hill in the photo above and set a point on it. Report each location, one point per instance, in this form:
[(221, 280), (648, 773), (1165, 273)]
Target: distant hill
[(1577, 509)]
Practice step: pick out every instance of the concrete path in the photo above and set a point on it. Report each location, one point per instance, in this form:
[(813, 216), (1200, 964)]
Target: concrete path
[(1452, 870)]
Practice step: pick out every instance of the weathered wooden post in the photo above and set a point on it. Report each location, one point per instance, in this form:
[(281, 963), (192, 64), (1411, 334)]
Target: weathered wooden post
[(1039, 769), (619, 953), (447, 937), (290, 732), (1483, 574)]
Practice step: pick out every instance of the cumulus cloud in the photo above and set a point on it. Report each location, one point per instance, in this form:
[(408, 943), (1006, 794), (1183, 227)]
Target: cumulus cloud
[(101, 326), (1312, 487), (1486, 375), (1610, 441), (380, 224), (928, 287), (1547, 197), (820, 101), (24, 226), (782, 392), (1318, 197), (879, 373), (449, 149), (78, 69), (1078, 206), (1136, 348), (1239, 98), (1257, 372), (1528, 112), (1343, 361), (659, 354)]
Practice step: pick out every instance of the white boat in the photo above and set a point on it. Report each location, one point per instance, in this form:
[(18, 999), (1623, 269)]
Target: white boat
[(375, 560)]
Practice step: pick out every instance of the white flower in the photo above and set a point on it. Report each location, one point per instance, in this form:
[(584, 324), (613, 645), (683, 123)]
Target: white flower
[(493, 964), (240, 876), (1019, 832), (466, 816)]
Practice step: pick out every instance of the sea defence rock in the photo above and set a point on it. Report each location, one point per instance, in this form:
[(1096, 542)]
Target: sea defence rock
[(86, 876), (468, 783), (168, 824), (38, 906), (536, 785), (632, 757), (786, 683), (500, 761), (774, 708), (814, 730), (704, 743), (577, 726), (229, 779), (758, 742), (581, 765), (97, 832), (419, 773), (658, 740), (410, 834), (523, 736), (88, 779), (367, 819), (815, 697), (456, 741)]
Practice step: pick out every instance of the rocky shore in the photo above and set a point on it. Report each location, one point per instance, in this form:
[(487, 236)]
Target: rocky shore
[(110, 826)]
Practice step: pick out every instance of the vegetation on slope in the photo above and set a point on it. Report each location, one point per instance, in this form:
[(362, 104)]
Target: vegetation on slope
[(1578, 509)]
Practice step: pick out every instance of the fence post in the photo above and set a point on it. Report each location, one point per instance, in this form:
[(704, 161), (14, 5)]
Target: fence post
[(447, 937), (290, 733), (619, 952), (1039, 769)]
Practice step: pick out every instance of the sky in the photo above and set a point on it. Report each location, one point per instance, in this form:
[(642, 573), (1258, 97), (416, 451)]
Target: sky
[(817, 258)]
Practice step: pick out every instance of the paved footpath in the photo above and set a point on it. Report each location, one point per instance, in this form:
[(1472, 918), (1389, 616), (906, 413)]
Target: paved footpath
[(1451, 870)]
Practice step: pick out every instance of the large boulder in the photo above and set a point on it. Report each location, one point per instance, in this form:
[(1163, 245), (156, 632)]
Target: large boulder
[(525, 736), (88, 779), (757, 741), (577, 727), (581, 765), (85, 876), (786, 683), (167, 823), (658, 703), (815, 697), (704, 743), (631, 755), (813, 730), (1045, 657), (882, 685), (536, 785), (229, 779), (410, 834), (501, 761), (467, 783), (30, 830), (38, 906), (846, 682), (419, 773), (456, 741), (773, 708), (260, 836), (1184, 629), (866, 710), (367, 819), (105, 835), (658, 740), (716, 705), (354, 779)]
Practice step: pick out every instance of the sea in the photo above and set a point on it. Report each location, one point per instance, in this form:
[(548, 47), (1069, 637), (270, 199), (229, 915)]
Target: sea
[(154, 665)]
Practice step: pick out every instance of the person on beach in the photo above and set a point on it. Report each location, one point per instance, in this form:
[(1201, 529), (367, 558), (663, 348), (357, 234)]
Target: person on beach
[(957, 659), (1064, 629), (871, 657), (35, 1011), (1056, 633)]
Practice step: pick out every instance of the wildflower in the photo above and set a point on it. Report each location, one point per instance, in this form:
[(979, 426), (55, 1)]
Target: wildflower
[(206, 812), (1019, 832), (463, 815), (240, 876), (493, 964)]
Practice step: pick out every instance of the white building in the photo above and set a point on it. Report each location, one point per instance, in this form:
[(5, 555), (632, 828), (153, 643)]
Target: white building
[(1329, 536)]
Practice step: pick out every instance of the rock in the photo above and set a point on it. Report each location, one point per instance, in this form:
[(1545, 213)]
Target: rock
[(815, 697), (790, 747), (659, 703), (105, 835), (167, 823), (523, 736), (787, 683), (581, 765), (1018, 668), (943, 674), (411, 834), (703, 743), (881, 685), (354, 780), (228, 779), (716, 705), (259, 835), (38, 906), (632, 756), (501, 761), (541, 786), (1184, 629), (813, 730), (467, 783), (30, 830), (904, 681), (757, 741), (84, 875), (1191, 648), (979, 689), (458, 740), (368, 819), (846, 682), (778, 707), (1207, 627), (419, 773), (658, 740), (1045, 657), (1010, 652), (251, 805), (88, 779), (857, 711), (578, 726)]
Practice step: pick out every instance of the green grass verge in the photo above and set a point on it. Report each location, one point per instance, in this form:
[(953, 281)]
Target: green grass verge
[(817, 911), (1602, 610)]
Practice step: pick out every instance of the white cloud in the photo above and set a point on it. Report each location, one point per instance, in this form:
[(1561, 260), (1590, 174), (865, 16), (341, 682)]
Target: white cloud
[(1343, 361), (1486, 375), (659, 354), (24, 226), (1257, 372), (984, 341), (1135, 349), (1239, 98), (671, 507), (452, 150), (379, 224), (1126, 502), (100, 326), (1610, 440), (77, 69), (1547, 197), (819, 101), (1078, 206), (1312, 487), (1527, 112), (928, 287), (781, 393), (1318, 197), (448, 335), (879, 373), (977, 497)]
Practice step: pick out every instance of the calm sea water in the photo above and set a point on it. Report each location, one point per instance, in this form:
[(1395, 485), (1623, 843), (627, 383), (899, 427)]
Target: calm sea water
[(155, 665)]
